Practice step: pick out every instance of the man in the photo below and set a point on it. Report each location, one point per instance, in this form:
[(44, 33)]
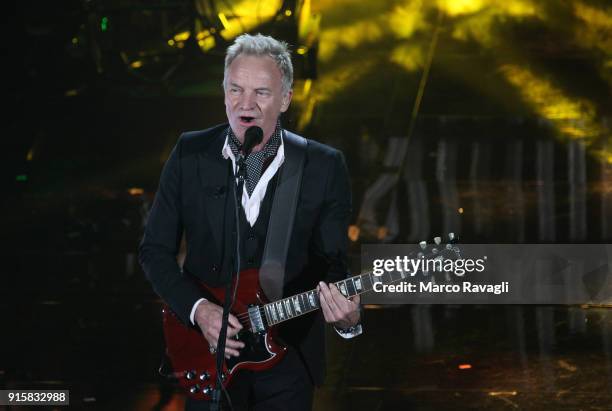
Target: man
[(195, 197)]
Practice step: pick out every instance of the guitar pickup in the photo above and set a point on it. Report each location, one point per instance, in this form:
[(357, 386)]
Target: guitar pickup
[(256, 320)]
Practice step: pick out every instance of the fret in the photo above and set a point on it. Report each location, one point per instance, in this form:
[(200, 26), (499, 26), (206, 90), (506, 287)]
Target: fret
[(288, 307), (342, 288), (386, 278), (357, 282), (304, 302), (312, 299), (296, 305), (309, 301), (267, 314), (307, 305), (379, 279), (367, 281), (350, 286), (273, 311), (316, 298), (279, 308)]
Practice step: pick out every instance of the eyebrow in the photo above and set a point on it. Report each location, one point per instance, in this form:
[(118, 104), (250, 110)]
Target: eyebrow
[(257, 89)]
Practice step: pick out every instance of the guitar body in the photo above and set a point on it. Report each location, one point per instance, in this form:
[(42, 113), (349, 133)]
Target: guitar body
[(188, 350)]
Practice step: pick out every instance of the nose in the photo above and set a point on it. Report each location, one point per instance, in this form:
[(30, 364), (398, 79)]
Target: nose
[(247, 101)]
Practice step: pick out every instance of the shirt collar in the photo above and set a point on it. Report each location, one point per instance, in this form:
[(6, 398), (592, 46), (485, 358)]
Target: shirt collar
[(232, 145)]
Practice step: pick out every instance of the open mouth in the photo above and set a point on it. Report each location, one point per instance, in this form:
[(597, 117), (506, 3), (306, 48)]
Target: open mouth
[(247, 119)]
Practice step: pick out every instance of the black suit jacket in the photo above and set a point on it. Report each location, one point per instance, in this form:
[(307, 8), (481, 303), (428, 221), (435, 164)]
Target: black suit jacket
[(193, 198)]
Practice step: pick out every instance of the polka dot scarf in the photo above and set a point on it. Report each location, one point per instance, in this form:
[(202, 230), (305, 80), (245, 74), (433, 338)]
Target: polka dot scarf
[(255, 161)]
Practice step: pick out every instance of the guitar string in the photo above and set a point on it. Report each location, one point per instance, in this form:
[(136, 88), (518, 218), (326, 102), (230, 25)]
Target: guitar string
[(244, 316)]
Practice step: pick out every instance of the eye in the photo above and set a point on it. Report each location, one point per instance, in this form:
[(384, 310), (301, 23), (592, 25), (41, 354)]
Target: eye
[(262, 93), (234, 90)]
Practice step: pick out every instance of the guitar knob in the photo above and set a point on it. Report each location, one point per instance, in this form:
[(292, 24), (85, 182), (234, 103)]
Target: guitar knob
[(190, 375), (451, 237), (437, 240), (207, 390), (204, 376), (194, 389), (423, 244)]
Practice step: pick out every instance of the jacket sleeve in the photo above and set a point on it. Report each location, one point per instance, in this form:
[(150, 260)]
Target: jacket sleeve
[(332, 227), (160, 244)]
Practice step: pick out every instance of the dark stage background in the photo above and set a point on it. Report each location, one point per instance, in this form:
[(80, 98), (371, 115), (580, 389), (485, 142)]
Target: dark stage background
[(487, 118)]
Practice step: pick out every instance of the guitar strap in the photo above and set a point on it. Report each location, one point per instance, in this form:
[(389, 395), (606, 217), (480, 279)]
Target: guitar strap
[(282, 216)]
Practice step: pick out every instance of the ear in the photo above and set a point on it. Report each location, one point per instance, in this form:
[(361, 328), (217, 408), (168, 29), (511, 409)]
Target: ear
[(286, 101)]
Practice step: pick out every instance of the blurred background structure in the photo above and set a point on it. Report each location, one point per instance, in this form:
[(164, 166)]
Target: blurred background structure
[(488, 118)]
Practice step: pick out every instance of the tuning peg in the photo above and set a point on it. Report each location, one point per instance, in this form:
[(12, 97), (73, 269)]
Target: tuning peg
[(423, 244), (437, 240)]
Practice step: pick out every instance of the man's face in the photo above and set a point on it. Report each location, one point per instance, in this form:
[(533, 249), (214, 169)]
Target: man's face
[(253, 95)]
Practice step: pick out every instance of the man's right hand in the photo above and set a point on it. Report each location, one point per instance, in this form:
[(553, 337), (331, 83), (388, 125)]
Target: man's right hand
[(208, 317)]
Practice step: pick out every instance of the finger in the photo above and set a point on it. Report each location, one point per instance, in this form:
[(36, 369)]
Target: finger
[(324, 289), (231, 343), (340, 300), (336, 292), (326, 293), (333, 304), (231, 352), (334, 313), (356, 299), (234, 322), (232, 331), (327, 313)]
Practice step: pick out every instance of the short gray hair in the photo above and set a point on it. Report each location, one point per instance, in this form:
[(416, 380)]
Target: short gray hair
[(260, 45)]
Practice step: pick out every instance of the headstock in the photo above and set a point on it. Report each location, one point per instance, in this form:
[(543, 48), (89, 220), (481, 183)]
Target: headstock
[(439, 251)]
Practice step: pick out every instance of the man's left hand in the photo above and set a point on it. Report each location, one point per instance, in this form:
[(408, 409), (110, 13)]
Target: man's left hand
[(340, 311)]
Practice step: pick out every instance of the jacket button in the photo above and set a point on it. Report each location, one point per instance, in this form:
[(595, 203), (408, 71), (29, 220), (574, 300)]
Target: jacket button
[(214, 268)]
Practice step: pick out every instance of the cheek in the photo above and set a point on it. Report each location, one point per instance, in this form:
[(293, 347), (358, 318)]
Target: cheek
[(230, 101)]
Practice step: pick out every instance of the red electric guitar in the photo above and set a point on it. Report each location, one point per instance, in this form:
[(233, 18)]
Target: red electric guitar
[(188, 351)]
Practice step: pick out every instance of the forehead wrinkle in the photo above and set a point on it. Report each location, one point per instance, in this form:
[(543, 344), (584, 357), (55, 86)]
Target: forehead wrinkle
[(256, 75), (254, 81)]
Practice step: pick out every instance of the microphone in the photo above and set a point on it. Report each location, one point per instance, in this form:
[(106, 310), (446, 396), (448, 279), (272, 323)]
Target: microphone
[(252, 136)]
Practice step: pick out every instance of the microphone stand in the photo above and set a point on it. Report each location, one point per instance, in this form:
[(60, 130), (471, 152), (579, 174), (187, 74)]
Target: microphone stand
[(229, 296)]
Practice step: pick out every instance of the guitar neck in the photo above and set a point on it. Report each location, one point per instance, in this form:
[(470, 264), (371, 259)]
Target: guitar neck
[(297, 305)]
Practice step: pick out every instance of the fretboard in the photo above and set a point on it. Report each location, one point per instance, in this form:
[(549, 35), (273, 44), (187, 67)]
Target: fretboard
[(300, 304)]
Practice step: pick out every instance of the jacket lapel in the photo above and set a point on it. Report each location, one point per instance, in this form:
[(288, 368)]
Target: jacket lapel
[(213, 173)]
